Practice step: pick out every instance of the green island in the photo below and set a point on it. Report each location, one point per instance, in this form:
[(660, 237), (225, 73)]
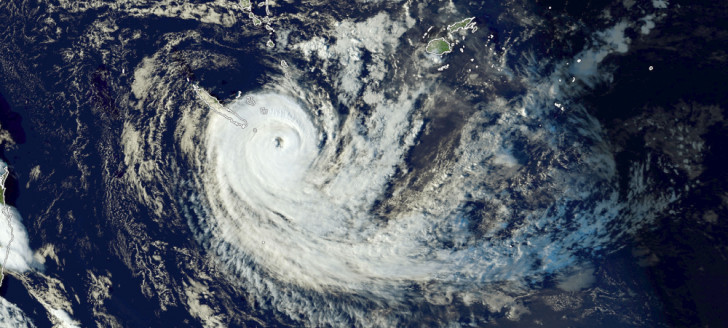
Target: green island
[(3, 178), (208, 98), (256, 20), (463, 24), (438, 46), (2, 186)]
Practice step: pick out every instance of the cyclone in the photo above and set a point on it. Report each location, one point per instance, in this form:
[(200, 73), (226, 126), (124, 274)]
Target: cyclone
[(289, 193), (277, 199), (331, 199), (363, 163)]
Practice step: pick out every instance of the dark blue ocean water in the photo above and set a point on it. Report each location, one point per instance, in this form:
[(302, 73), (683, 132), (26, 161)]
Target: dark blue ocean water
[(685, 288)]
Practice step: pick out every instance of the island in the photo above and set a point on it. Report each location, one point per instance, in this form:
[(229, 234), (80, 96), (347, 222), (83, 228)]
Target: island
[(463, 24), (4, 209), (256, 20), (438, 46), (215, 105), (2, 185)]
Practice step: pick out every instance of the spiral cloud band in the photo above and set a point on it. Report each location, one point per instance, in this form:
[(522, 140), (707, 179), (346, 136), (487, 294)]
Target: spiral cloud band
[(399, 191), (276, 200)]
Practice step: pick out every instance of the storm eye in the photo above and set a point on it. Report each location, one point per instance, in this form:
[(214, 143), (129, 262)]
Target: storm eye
[(278, 142)]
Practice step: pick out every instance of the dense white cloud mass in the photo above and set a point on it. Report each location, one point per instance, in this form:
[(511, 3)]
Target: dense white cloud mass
[(310, 196), (11, 316), (293, 197), (15, 252), (317, 166), (20, 256)]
